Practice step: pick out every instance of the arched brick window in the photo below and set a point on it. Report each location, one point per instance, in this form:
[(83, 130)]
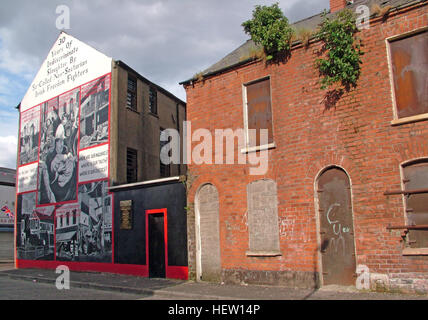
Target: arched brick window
[(415, 178)]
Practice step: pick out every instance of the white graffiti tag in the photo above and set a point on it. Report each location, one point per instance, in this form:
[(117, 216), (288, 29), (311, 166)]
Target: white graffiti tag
[(338, 229)]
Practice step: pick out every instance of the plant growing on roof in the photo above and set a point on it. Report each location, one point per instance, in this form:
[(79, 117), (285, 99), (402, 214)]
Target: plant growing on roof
[(269, 28), (342, 63), (380, 11), (304, 35)]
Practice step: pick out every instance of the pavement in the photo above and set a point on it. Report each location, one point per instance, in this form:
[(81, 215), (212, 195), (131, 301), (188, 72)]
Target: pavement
[(168, 289), (23, 290)]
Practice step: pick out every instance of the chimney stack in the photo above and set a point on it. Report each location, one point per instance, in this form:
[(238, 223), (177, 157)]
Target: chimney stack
[(336, 5)]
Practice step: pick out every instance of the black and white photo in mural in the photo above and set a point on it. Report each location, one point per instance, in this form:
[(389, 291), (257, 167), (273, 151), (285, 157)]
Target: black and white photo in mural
[(58, 149), (84, 229), (35, 229), (94, 112), (67, 231), (29, 136)]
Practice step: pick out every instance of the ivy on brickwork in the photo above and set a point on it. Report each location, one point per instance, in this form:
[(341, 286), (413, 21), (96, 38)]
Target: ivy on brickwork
[(343, 50), (269, 28)]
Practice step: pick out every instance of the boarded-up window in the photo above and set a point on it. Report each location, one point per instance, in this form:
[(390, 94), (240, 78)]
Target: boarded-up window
[(263, 217), (409, 58), (165, 169), (416, 179), (258, 111), (131, 98), (131, 165)]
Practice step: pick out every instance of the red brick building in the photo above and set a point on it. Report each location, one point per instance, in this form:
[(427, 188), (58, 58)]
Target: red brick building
[(345, 195)]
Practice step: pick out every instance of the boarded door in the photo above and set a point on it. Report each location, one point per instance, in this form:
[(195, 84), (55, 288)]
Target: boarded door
[(208, 253), (337, 230), (156, 244)]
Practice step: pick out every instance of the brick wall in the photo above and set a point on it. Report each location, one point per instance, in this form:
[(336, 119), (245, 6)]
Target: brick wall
[(356, 135), (336, 5)]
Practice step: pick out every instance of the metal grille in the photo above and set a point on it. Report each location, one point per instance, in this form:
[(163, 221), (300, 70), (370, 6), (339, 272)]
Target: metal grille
[(131, 165), (165, 169), (416, 178), (153, 101), (131, 98)]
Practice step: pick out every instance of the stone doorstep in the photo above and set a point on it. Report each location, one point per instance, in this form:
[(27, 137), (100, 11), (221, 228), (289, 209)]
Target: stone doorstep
[(339, 288)]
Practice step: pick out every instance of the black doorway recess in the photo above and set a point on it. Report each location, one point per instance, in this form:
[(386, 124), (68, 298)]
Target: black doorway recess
[(156, 244)]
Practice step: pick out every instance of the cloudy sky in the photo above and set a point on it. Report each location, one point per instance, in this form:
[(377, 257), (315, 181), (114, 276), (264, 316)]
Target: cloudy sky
[(167, 41)]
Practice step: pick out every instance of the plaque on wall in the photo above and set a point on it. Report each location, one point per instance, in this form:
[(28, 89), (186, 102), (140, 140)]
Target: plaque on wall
[(126, 215)]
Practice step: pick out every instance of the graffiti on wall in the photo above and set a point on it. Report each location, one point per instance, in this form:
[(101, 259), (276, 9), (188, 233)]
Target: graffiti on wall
[(338, 230)]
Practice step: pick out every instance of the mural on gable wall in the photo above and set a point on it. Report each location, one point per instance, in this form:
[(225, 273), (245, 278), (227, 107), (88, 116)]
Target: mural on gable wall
[(64, 210)]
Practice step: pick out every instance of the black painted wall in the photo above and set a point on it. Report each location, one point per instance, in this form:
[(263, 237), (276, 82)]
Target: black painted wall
[(130, 245)]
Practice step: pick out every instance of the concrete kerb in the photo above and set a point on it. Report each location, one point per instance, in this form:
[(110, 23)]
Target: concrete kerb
[(191, 290), (130, 290)]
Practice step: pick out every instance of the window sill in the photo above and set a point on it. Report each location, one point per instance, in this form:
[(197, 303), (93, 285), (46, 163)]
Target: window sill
[(133, 110), (153, 114), (259, 148), (419, 117), (415, 252), (263, 254)]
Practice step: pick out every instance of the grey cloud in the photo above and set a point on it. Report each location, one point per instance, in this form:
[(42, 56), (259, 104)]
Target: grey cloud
[(305, 8), (167, 41)]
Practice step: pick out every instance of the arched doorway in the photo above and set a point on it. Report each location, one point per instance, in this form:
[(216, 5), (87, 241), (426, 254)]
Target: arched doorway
[(336, 227), (208, 263)]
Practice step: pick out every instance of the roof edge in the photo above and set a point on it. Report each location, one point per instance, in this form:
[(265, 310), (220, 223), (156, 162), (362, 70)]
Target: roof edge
[(147, 81), (148, 183), (293, 45)]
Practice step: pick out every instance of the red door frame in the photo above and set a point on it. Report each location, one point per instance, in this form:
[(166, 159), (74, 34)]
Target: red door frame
[(165, 225), (171, 272)]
